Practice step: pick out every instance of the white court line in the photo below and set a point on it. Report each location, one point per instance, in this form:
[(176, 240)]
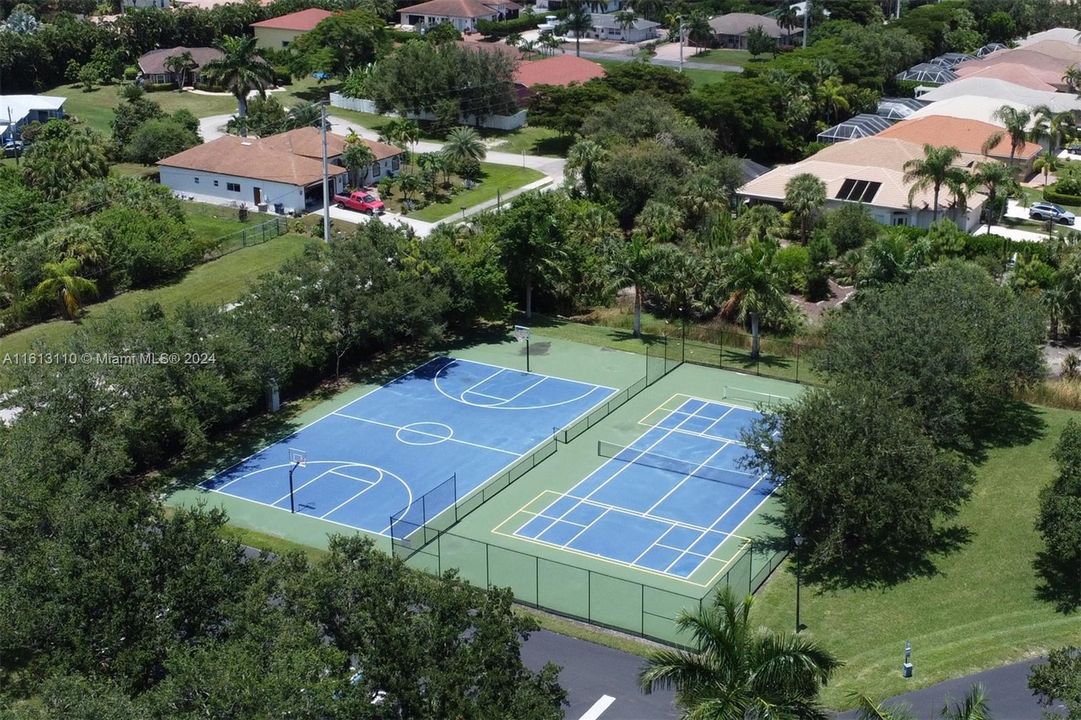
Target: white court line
[(339, 507), (523, 392), (553, 377), (722, 417), (298, 489), (421, 432), (598, 708), (479, 382), (350, 477), (483, 395), (686, 477)]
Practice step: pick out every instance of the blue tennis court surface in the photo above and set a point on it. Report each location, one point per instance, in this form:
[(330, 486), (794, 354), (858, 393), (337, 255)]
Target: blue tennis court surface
[(665, 503), (381, 452)]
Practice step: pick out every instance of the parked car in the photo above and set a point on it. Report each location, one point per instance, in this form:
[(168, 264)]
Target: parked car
[(361, 201), (1051, 211), (13, 148)]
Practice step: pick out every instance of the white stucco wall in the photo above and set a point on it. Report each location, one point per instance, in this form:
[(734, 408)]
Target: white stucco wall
[(201, 183)]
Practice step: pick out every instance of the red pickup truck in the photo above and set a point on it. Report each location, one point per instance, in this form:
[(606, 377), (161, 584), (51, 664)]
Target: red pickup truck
[(361, 201)]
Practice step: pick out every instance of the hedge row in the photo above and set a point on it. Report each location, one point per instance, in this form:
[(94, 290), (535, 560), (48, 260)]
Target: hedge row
[(1050, 195), (503, 28)]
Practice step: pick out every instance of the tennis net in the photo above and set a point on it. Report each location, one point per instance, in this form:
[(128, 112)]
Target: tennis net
[(678, 466), (753, 399)]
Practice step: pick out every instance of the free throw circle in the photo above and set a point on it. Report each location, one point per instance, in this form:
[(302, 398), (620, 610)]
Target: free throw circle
[(424, 433)]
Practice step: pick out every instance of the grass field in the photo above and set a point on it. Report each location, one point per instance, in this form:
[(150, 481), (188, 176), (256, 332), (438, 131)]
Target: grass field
[(979, 612), (697, 76), (740, 58), (95, 108), (210, 222), (495, 178), (218, 281)]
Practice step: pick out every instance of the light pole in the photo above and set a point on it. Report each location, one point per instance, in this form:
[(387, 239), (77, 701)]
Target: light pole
[(797, 541), (806, 16), (680, 18)]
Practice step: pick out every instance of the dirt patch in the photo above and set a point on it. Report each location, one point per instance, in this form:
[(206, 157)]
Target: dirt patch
[(814, 311)]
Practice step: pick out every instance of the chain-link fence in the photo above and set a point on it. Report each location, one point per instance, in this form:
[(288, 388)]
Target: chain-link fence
[(246, 237)]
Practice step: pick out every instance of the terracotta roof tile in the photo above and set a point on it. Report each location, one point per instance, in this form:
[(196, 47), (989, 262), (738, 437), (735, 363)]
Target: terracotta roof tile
[(152, 63), (459, 8), (251, 158), (303, 21), (557, 70), (968, 136)]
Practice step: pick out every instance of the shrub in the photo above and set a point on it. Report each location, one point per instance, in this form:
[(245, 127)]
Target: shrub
[(144, 249), (793, 263), (1051, 194), (157, 139), (851, 226)]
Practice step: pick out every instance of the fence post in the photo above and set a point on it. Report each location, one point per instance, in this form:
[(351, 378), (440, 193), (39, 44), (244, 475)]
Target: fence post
[(589, 595), (643, 613), (487, 567), (262, 228), (536, 584), (439, 553), (750, 570), (797, 361)]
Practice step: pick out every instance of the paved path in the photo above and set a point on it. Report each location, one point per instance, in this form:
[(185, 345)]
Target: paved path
[(593, 672), (1007, 690)]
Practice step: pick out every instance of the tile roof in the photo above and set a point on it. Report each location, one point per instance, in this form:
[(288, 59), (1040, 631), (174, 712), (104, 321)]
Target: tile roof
[(1003, 90), (459, 8), (1044, 67), (968, 136), (303, 20), (608, 20), (153, 62), (969, 107), (253, 158), (875, 151), (557, 70), (738, 23), (1068, 51), (19, 106), (308, 142), (1016, 74), (1062, 34)]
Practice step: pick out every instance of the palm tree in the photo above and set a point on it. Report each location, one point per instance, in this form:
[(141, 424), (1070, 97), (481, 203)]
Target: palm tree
[(972, 707), (577, 21), (830, 93), (179, 65), (805, 195), (514, 39), (1055, 126), (753, 287), (625, 19), (463, 146), (1016, 123), (357, 157), (240, 70), (582, 162), (1072, 78), (549, 42), (740, 671), (697, 28), (935, 169), (759, 222), (996, 179), (309, 114), (400, 132), (1046, 163), (789, 19), (631, 265), (63, 284)]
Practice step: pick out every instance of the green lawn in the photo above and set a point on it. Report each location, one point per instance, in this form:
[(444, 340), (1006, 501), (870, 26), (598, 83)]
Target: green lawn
[(210, 222), (95, 108), (698, 77), (218, 281), (740, 58), (501, 178), (978, 612)]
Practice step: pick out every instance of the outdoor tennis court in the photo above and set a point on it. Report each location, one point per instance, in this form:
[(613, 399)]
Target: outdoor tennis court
[(667, 503), (379, 454)]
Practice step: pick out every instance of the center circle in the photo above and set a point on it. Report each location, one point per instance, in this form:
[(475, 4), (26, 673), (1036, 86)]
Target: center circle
[(424, 433)]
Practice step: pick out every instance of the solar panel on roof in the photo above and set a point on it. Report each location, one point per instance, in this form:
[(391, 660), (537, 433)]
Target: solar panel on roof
[(846, 188), (858, 190)]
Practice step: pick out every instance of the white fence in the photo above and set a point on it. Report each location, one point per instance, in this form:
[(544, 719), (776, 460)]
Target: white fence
[(496, 122)]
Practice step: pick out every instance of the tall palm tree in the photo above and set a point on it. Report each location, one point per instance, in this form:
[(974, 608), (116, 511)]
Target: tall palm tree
[(625, 19), (1046, 163), (1055, 126), (463, 145), (740, 671), (577, 21), (63, 283), (309, 114), (1016, 123), (400, 132), (935, 169), (632, 264), (830, 93), (805, 195), (789, 19), (996, 179), (240, 70), (357, 157), (179, 65), (752, 286), (583, 162)]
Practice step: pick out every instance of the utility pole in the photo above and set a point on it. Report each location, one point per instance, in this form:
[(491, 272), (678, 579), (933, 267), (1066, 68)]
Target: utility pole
[(806, 19), (326, 173), (680, 18)]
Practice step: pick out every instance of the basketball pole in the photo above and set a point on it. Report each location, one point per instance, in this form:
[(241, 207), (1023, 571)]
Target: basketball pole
[(292, 506), (527, 354)]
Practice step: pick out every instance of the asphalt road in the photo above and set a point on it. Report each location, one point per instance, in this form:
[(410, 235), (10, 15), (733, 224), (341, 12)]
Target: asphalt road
[(591, 672)]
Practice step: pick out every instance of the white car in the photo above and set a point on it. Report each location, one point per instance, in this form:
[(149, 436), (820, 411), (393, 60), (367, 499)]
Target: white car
[(1051, 211)]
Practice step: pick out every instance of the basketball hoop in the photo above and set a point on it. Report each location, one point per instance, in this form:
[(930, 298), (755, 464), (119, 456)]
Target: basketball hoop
[(521, 333), (298, 458)]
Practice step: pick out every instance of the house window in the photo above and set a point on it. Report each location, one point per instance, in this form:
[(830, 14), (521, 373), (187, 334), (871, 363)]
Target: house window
[(395, 164), (900, 220), (196, 181), (215, 183), (285, 43), (232, 187), (376, 169)]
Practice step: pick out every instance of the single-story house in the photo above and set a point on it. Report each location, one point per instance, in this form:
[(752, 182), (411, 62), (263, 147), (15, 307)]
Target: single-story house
[(1014, 74), (152, 65), (280, 172), (560, 70), (731, 30), (1002, 90), (1061, 34), (969, 107), (132, 4), (1045, 68), (606, 26), (867, 171), (19, 110), (462, 14), (278, 32), (968, 136)]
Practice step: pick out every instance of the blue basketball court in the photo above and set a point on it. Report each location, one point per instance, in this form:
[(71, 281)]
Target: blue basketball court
[(380, 453), (665, 503)]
